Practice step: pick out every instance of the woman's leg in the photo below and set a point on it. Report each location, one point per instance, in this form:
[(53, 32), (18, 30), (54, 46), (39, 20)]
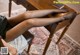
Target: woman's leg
[(27, 24), (11, 49), (35, 22), (32, 14), (41, 13)]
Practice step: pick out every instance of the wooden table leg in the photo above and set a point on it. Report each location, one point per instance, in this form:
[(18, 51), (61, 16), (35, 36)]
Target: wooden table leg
[(50, 38), (29, 46), (10, 5), (64, 31)]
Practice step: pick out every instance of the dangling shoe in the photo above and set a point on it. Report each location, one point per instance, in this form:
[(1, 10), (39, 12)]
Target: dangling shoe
[(71, 15)]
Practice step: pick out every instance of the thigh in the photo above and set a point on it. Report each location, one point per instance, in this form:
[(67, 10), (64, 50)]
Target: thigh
[(16, 19), (31, 14)]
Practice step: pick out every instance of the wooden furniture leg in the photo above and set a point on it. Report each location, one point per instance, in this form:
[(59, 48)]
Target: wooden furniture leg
[(29, 46), (10, 5), (64, 31), (50, 38)]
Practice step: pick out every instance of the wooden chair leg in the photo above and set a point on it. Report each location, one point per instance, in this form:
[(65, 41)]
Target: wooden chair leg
[(10, 5), (47, 45), (65, 29), (28, 49), (50, 38), (29, 46)]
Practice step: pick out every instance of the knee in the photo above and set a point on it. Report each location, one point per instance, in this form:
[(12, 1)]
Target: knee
[(27, 14), (31, 22)]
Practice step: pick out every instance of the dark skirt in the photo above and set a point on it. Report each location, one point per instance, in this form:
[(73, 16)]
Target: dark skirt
[(4, 26)]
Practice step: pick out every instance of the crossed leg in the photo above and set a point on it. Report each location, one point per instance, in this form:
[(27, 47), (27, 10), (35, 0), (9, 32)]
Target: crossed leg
[(29, 15), (32, 14), (27, 20), (27, 24)]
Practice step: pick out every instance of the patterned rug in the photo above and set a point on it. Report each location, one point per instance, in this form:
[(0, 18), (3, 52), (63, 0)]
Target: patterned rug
[(66, 46)]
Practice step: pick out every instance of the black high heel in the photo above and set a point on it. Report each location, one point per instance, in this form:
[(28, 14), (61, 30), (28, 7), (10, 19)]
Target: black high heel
[(70, 15)]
